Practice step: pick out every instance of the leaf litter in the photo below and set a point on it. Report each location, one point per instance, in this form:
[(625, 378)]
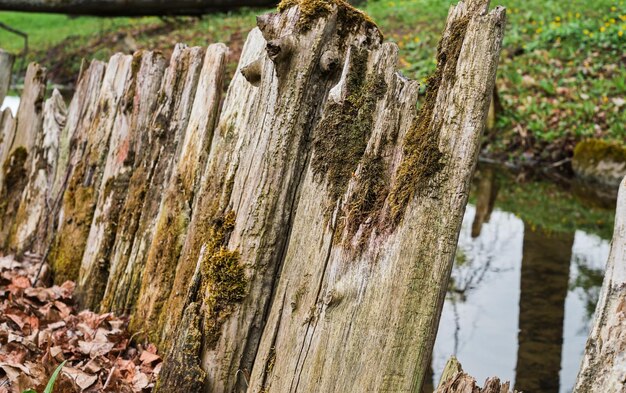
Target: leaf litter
[(40, 327)]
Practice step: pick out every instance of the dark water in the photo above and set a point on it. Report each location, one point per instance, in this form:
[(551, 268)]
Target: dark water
[(526, 279)]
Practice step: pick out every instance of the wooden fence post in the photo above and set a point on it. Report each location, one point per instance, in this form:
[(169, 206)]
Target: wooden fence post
[(603, 367)]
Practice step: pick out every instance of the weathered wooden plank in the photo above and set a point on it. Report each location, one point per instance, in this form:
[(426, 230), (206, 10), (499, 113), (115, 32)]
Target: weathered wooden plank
[(454, 380), (7, 133), (374, 234), (138, 105), (149, 181), (84, 181), (178, 202), (6, 71), (36, 200), (71, 148), (603, 367), (180, 329), (17, 164), (251, 187)]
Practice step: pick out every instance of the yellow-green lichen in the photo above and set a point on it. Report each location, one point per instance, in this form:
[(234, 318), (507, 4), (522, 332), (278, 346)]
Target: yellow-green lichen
[(341, 137), (422, 159), (161, 264), (114, 192), (311, 10), (69, 245), (181, 368)]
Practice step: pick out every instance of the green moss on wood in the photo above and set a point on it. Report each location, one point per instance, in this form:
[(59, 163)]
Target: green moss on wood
[(15, 180), (161, 264), (422, 159), (78, 209), (93, 290), (226, 283), (182, 371), (342, 135), (311, 10), (365, 203)]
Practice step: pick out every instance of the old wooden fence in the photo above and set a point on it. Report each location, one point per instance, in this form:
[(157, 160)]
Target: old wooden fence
[(296, 234)]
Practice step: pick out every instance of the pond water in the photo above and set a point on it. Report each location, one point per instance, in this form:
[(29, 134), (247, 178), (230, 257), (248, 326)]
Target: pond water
[(10, 102), (527, 275)]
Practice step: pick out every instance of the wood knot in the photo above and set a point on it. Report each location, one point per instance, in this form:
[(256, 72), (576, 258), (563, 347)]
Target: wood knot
[(329, 61), (281, 49), (252, 72)]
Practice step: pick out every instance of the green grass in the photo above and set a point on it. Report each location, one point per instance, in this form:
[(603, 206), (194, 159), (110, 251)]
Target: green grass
[(45, 30), (561, 78)]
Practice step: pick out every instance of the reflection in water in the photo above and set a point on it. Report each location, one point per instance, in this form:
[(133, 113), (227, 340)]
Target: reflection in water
[(529, 265), (10, 102), (544, 282)]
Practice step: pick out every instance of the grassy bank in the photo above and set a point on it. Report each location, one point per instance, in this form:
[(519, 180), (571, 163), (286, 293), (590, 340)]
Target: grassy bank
[(562, 75)]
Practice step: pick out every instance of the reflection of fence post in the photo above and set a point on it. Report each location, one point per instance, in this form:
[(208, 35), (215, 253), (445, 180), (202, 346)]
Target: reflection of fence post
[(544, 282), (6, 66), (486, 194), (603, 365)]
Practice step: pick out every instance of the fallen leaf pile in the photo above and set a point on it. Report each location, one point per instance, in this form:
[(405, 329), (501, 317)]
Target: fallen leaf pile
[(40, 328)]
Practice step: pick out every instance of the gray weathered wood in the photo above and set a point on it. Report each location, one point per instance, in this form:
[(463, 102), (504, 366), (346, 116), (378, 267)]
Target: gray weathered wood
[(156, 162), (454, 380), (85, 180), (6, 71), (361, 290), (72, 143), (603, 367), (20, 151), (138, 105), (178, 202), (36, 200)]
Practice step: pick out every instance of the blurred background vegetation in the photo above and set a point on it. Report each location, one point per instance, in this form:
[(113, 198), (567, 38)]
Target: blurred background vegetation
[(562, 76)]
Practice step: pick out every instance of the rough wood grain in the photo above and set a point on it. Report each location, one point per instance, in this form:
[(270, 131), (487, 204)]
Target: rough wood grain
[(138, 106), (6, 72), (36, 200), (454, 380), (72, 143), (149, 181), (178, 202), (85, 180), (603, 367), (251, 183), (20, 151), (361, 288), (7, 133)]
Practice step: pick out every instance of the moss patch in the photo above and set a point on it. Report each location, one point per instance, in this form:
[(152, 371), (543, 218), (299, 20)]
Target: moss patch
[(342, 135), (311, 10), (78, 209), (422, 158), (592, 151), (115, 189), (15, 179), (181, 369), (161, 263), (365, 203), (226, 286)]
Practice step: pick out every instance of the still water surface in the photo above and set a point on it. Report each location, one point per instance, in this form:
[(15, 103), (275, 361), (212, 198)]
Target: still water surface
[(526, 279)]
